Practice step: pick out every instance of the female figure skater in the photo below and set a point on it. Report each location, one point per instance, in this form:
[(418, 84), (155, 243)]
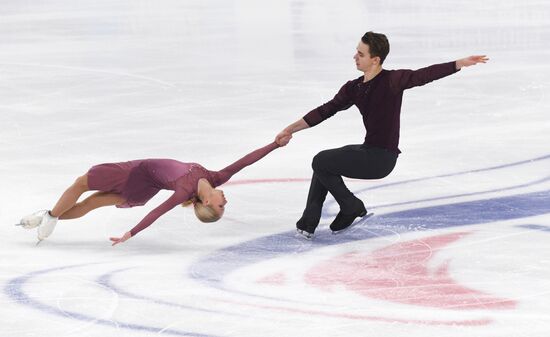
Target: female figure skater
[(134, 183)]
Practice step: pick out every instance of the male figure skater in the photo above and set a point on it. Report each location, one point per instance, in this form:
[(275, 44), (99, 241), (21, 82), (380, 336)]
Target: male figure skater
[(378, 95)]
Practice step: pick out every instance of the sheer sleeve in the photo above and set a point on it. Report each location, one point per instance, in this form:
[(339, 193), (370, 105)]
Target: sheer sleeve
[(406, 78), (225, 174), (341, 101), (175, 199)]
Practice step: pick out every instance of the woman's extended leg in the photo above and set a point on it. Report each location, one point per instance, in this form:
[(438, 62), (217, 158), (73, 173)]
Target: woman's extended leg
[(96, 200), (70, 196), (46, 220), (68, 208)]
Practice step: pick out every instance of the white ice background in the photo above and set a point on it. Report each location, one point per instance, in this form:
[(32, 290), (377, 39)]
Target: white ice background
[(88, 82)]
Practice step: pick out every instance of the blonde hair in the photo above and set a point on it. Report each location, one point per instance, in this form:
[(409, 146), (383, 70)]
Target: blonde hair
[(204, 213)]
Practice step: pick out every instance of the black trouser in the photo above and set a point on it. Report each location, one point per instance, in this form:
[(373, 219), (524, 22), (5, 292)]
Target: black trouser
[(352, 161)]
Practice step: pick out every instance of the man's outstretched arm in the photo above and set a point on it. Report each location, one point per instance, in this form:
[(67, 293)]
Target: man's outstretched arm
[(406, 79)]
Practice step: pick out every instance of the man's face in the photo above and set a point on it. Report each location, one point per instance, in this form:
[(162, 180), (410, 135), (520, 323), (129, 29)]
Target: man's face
[(362, 58)]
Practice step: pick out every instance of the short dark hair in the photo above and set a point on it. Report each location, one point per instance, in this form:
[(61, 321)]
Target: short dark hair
[(378, 45)]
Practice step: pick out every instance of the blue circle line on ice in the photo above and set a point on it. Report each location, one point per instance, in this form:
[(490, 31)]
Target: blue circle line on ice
[(454, 174), (508, 188), (212, 269), (229, 259), (447, 175), (14, 289), (106, 281), (536, 227)]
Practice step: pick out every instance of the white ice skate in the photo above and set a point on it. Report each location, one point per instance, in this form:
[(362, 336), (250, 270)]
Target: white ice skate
[(47, 225), (32, 220), (41, 219)]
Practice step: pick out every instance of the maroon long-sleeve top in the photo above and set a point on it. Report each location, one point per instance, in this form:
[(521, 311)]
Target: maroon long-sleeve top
[(145, 178), (379, 101)]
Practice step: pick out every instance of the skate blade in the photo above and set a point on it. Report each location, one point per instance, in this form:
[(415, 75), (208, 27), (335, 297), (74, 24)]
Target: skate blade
[(22, 226), (365, 217), (39, 239), (304, 235)]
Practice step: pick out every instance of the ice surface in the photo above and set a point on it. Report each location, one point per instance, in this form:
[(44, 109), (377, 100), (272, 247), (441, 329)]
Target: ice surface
[(458, 245)]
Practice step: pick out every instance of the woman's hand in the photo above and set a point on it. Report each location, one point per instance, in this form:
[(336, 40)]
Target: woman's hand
[(283, 138), (125, 237)]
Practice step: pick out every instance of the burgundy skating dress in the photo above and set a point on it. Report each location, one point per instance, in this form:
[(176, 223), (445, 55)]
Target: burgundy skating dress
[(140, 180)]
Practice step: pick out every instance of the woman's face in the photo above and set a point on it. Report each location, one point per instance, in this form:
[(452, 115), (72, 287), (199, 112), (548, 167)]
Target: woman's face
[(217, 201)]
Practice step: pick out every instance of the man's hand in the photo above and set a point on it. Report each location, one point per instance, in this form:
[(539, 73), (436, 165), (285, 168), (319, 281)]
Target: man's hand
[(471, 60), (283, 138), (125, 237)]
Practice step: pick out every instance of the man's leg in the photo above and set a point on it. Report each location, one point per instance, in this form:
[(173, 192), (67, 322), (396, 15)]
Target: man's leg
[(353, 161), (314, 206), (318, 191)]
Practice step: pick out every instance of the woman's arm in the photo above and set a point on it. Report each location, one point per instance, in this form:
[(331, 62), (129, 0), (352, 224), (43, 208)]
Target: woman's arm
[(245, 161), (175, 199)]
